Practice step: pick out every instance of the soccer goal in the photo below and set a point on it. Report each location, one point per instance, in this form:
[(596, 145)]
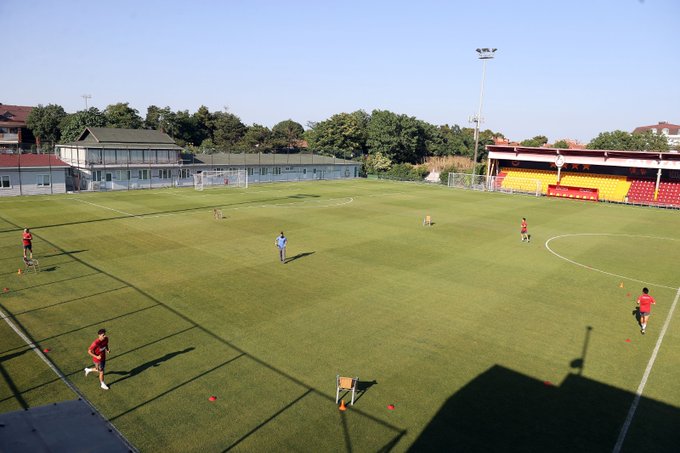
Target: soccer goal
[(221, 178), (520, 185), (495, 184), (470, 182)]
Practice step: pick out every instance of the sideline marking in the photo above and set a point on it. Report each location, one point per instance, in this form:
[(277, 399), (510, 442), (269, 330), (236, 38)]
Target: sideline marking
[(645, 376), (104, 207), (547, 246), (68, 383), (652, 359)]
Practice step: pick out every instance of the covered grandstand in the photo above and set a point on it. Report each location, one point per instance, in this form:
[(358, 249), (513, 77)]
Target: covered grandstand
[(638, 177)]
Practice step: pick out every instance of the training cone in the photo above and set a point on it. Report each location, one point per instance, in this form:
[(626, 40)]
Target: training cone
[(19, 272), (212, 398), (621, 285), (46, 350), (342, 405), (390, 407), (5, 289)]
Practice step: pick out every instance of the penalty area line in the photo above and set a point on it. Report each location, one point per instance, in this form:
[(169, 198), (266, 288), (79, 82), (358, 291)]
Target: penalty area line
[(645, 376)]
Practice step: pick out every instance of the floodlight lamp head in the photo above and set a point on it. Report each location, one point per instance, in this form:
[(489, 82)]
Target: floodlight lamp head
[(486, 53)]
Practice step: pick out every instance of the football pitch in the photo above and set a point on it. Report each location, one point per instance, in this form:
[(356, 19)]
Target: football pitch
[(477, 341)]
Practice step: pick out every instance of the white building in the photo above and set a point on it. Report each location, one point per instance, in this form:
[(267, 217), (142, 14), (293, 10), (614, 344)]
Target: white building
[(671, 131), (32, 174)]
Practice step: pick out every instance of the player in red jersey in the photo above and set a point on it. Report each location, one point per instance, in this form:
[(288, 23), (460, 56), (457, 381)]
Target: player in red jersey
[(27, 240), (97, 351), (645, 302), (524, 232)]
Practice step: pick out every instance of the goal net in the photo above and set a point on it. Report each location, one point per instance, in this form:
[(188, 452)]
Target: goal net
[(221, 178), (495, 183)]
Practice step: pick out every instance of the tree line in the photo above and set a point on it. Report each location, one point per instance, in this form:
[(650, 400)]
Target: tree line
[(381, 139)]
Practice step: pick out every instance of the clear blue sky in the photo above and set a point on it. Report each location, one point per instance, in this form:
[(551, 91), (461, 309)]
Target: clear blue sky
[(564, 69)]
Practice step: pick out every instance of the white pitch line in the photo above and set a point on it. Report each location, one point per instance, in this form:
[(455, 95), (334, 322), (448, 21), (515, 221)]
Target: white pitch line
[(104, 207), (645, 376), (547, 246)]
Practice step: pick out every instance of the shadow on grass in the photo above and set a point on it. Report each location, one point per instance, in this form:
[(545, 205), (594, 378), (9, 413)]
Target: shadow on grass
[(145, 366), (298, 256), (502, 410), (304, 195)]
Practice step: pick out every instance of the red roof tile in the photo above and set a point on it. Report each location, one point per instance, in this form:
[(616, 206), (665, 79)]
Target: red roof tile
[(30, 160), (14, 115), (673, 129)]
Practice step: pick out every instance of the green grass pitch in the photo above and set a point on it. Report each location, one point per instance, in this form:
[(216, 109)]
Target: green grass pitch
[(481, 342)]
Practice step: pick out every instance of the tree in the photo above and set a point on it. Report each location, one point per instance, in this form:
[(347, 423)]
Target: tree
[(625, 141), (562, 144), (228, 130), (204, 124), (399, 137), (123, 116), (44, 121), (535, 142), (287, 133), (73, 125), (341, 134), (377, 162), (256, 138)]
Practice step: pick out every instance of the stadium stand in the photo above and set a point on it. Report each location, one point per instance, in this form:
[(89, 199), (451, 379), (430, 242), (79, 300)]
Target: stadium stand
[(610, 187)]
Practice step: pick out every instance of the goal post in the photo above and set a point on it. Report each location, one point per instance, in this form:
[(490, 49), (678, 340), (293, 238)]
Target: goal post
[(221, 178), (496, 183)]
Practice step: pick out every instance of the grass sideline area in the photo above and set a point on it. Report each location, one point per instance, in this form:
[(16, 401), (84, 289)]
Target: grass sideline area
[(479, 341)]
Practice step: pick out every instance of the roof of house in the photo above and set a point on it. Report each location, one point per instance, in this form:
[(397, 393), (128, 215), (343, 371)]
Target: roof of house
[(673, 129), (110, 137), (227, 159), (30, 160), (14, 115)]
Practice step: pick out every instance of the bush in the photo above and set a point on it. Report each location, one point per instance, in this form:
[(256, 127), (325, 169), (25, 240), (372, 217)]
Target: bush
[(405, 172)]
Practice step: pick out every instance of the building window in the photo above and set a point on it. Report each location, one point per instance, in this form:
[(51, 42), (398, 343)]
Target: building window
[(264, 171), (251, 171), (277, 170), (304, 171), (43, 180), (184, 173), (664, 131), (143, 174), (165, 173), (97, 175), (123, 175), (4, 182)]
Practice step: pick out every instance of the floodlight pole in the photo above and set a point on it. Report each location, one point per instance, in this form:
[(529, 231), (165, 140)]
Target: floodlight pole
[(86, 97), (483, 54)]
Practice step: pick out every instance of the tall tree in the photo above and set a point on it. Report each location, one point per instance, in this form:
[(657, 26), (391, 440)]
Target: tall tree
[(44, 121), (73, 125), (228, 130), (287, 133), (400, 138), (625, 141), (562, 144), (256, 139), (342, 134), (535, 142), (123, 116)]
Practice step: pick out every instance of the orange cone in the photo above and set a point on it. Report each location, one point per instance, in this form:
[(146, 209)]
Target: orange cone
[(342, 405), (19, 272)]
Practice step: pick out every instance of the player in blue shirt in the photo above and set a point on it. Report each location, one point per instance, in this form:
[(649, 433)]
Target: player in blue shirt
[(281, 242)]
